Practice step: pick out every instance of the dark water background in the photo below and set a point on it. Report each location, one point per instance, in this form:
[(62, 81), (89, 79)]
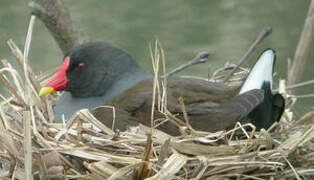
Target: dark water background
[(222, 27)]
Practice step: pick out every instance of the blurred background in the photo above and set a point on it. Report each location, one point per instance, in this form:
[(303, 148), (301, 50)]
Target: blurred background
[(224, 28)]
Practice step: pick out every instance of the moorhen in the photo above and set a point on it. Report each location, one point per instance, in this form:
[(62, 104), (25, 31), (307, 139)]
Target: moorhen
[(95, 74)]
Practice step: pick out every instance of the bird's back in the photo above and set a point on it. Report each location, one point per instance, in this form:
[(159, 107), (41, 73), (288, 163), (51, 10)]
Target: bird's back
[(209, 106)]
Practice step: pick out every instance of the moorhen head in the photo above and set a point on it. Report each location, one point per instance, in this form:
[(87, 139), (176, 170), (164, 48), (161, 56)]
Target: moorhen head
[(92, 69), (95, 74), (91, 75)]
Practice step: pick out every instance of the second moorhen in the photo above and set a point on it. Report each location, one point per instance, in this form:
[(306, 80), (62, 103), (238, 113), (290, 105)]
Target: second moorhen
[(94, 74)]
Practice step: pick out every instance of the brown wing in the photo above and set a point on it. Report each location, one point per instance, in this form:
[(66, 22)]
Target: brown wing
[(191, 89), (202, 99), (227, 114)]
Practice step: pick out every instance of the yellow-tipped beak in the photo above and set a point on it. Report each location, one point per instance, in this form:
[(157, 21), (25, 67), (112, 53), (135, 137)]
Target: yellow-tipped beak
[(46, 90)]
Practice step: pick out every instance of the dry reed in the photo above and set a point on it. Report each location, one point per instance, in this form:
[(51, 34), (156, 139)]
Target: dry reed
[(84, 148)]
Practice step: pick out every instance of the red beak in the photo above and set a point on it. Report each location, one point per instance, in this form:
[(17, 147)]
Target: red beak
[(59, 81)]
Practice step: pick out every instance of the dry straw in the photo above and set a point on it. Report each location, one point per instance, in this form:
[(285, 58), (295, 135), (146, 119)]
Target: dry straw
[(83, 147)]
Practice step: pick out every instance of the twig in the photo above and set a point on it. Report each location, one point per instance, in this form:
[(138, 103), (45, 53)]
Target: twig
[(303, 96), (198, 59), (302, 84), (305, 118), (28, 41), (259, 39), (163, 104), (292, 168), (185, 115), (144, 169), (17, 79), (227, 67), (163, 152), (19, 57), (11, 89), (27, 145), (303, 47), (155, 62)]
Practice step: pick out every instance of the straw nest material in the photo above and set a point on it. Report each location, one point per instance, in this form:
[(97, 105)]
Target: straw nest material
[(84, 148)]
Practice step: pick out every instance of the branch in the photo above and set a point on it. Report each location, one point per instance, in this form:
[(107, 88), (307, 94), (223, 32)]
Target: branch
[(303, 47), (59, 22), (258, 40), (198, 59), (303, 96), (298, 85)]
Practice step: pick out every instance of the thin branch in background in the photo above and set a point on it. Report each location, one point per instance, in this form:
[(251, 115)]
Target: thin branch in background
[(198, 59), (302, 84), (303, 48), (58, 20), (259, 39), (303, 96)]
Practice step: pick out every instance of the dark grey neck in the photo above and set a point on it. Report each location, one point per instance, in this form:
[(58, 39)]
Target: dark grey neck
[(126, 81), (68, 105)]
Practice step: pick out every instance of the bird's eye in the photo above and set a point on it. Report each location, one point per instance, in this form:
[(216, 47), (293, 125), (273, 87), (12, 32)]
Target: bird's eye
[(80, 67)]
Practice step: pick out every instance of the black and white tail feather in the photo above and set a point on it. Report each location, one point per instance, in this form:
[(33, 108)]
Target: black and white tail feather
[(261, 73), (261, 77)]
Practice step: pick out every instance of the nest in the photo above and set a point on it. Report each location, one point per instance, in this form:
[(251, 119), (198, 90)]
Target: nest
[(83, 148)]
